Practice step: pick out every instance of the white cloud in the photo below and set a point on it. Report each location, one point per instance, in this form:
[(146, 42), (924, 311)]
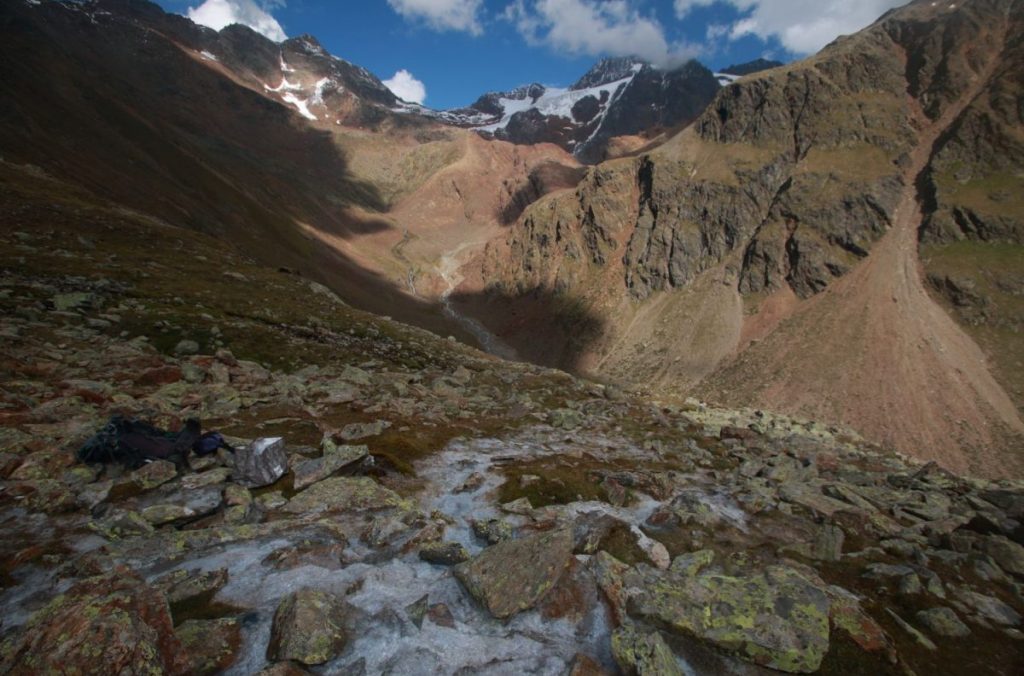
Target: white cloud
[(802, 26), (406, 87), (595, 27), (220, 13), (442, 15)]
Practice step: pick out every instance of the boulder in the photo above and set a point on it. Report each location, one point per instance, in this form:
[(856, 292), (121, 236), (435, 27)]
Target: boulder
[(115, 623), (775, 618), (309, 628), (515, 575), (1007, 554), (261, 463)]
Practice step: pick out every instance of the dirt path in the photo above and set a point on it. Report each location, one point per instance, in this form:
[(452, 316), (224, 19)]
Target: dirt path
[(877, 353)]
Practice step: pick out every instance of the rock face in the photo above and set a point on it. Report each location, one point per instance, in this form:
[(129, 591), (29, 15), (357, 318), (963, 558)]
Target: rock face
[(309, 627), (114, 620), (261, 463), (776, 618), (514, 575), (655, 270)]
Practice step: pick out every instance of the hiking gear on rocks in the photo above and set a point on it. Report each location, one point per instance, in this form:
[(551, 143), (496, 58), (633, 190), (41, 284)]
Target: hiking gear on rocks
[(133, 442)]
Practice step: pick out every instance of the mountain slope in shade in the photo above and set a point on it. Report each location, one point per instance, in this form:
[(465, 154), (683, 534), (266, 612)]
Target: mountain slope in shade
[(751, 254), (283, 150)]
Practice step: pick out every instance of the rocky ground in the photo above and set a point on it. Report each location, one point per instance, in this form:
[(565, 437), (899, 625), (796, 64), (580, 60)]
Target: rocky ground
[(425, 508)]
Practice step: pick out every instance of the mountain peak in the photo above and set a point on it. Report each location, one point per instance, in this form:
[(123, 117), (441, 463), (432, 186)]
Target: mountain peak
[(608, 70)]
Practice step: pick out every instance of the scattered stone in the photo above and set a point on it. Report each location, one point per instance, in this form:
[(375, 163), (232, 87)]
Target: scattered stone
[(943, 622), (515, 575), (493, 531), (153, 474), (261, 463), (828, 545), (441, 615), (914, 633), (989, 608), (1007, 554), (643, 654), (475, 481), (443, 553), (209, 478), (690, 564), (186, 348), (309, 628), (356, 431), (211, 646), (519, 506), (583, 665), (187, 585)]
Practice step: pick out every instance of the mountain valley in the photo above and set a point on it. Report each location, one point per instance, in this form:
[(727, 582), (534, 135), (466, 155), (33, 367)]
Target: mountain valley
[(665, 372)]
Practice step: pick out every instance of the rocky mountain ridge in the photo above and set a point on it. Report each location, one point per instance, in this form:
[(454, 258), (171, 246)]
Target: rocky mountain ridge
[(782, 188)]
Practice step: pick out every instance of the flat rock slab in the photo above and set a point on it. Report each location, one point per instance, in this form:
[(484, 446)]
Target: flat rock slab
[(309, 627), (343, 494), (308, 472), (775, 618), (515, 575)]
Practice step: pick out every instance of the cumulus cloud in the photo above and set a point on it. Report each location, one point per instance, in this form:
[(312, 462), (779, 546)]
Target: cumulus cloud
[(406, 87), (220, 13), (802, 26), (442, 15), (595, 27)]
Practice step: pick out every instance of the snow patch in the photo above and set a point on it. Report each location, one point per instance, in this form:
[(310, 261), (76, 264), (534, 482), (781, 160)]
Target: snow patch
[(285, 86), (208, 56), (558, 101), (301, 105)]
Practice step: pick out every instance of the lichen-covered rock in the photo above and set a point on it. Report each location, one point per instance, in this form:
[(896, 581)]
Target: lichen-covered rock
[(343, 494), (443, 553), (261, 463), (113, 624), (187, 585), (775, 618), (515, 575), (211, 646), (643, 654), (943, 622), (309, 627), (492, 531), (335, 457)]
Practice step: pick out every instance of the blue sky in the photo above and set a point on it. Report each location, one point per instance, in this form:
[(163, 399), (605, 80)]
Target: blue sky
[(451, 51)]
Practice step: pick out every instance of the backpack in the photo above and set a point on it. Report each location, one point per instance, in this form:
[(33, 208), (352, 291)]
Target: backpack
[(209, 443), (133, 443)]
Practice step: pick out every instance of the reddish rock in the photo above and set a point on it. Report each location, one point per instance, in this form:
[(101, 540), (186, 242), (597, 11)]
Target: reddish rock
[(162, 375), (113, 624)]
